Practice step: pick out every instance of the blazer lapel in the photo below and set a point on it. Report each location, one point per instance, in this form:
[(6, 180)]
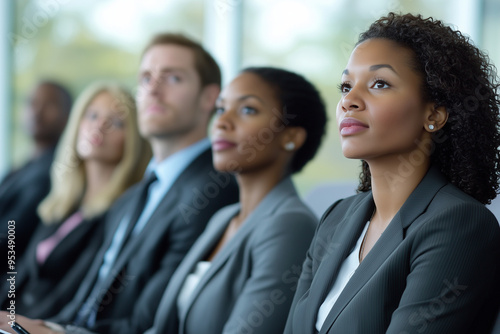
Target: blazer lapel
[(161, 213), (136, 241), (338, 248), (390, 239), (268, 204), (91, 278), (198, 252)]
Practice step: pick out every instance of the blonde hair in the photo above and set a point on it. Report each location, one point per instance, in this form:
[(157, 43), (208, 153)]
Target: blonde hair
[(68, 174)]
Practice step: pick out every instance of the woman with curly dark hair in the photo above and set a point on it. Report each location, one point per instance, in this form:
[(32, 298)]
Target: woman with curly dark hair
[(416, 251)]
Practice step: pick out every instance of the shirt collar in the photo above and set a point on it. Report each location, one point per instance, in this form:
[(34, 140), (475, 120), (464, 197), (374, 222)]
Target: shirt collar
[(172, 166)]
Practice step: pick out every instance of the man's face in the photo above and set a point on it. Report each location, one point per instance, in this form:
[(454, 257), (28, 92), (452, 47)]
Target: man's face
[(169, 93), (45, 116)]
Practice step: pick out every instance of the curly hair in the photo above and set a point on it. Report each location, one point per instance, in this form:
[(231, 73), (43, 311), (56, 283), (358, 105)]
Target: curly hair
[(457, 76), (301, 99)]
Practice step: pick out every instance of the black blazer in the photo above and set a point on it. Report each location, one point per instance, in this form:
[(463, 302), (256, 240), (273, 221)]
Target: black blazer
[(20, 193), (145, 264), (42, 290), (433, 270)]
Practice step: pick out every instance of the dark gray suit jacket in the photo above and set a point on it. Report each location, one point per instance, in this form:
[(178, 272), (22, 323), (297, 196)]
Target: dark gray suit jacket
[(250, 284), (132, 291), (435, 269)]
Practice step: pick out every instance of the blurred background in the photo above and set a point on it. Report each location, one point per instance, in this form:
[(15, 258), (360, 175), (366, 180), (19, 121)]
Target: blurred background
[(76, 42)]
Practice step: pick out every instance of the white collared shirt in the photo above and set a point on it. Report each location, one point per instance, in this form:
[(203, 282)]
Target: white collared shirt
[(190, 284), (349, 266)]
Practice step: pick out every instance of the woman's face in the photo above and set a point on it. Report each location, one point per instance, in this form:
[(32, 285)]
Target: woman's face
[(247, 131), (101, 134), (381, 112)]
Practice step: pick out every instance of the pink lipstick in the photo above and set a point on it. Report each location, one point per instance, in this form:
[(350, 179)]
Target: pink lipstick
[(350, 126), (221, 145)]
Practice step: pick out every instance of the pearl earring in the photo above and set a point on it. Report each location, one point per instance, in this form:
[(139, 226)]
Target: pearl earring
[(290, 146), (431, 126)]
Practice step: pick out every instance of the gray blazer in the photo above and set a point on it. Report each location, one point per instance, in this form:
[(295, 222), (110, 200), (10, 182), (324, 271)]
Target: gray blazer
[(435, 269), (250, 284)]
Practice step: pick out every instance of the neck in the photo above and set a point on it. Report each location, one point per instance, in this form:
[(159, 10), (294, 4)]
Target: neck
[(253, 188), (97, 176), (41, 147), (392, 184), (165, 147)]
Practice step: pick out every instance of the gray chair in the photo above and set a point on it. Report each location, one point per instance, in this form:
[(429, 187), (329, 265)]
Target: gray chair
[(495, 207)]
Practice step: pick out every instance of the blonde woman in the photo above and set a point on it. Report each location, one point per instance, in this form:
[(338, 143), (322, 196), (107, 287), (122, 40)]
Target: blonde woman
[(100, 155)]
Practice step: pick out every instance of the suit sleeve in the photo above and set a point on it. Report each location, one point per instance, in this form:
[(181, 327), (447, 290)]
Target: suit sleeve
[(277, 254), (454, 267)]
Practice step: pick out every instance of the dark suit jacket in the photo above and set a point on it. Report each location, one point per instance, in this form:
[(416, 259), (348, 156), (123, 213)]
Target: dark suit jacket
[(250, 283), (145, 264), (20, 193), (43, 290), (433, 270)]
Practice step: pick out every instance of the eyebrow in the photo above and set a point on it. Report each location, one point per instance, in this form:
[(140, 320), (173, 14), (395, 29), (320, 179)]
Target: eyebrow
[(244, 97), (165, 70), (374, 68)]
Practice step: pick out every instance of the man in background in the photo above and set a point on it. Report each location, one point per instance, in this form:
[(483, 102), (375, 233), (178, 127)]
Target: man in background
[(22, 189)]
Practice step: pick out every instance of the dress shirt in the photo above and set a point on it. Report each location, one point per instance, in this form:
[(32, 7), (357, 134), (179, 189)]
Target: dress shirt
[(349, 266), (190, 285)]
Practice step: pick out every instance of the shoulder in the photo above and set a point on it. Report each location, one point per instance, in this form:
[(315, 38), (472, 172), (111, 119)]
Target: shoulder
[(201, 168), (123, 201), (343, 207), (127, 195), (223, 215), (452, 206), (201, 181), (291, 219), (455, 226)]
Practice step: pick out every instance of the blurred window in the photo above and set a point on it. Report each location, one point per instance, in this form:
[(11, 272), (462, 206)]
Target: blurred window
[(78, 42)]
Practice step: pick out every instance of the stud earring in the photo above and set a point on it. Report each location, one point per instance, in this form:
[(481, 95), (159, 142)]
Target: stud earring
[(431, 126), (290, 146)]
